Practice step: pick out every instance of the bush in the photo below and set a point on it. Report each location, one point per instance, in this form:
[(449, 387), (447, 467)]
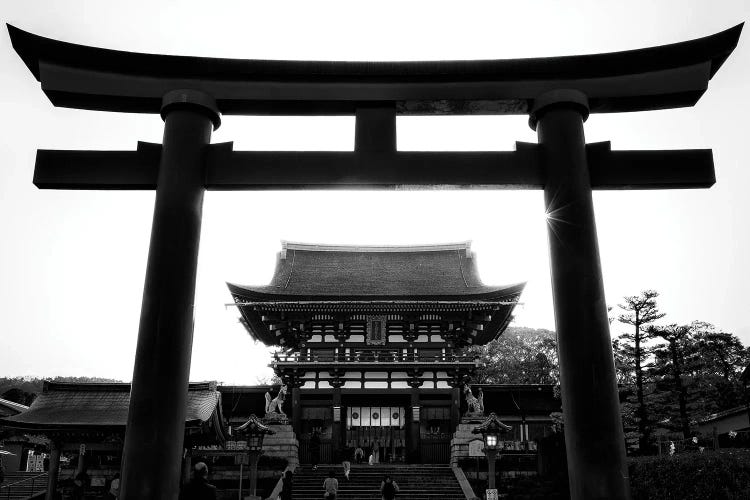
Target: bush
[(723, 474)]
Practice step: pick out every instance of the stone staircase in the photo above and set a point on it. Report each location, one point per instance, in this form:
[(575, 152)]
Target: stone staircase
[(21, 485), (415, 482)]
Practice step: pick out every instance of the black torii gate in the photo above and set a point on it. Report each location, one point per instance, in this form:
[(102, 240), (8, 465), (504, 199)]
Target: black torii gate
[(191, 93)]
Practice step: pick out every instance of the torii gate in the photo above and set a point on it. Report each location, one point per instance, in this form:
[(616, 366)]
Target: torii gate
[(191, 93)]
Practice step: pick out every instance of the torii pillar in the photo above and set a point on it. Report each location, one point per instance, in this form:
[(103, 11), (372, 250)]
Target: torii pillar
[(593, 429), (165, 335)]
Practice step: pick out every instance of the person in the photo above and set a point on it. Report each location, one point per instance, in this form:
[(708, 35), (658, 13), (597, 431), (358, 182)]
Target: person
[(388, 488), (79, 485), (346, 464), (286, 486), (359, 454), (199, 488), (315, 449), (376, 451), (330, 486), (114, 486)]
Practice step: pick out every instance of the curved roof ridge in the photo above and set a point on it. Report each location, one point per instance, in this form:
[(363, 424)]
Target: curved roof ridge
[(324, 247), (18, 407)]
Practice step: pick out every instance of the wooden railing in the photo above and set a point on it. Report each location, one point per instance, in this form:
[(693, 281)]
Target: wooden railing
[(326, 451), (372, 356), (435, 451), (28, 487)]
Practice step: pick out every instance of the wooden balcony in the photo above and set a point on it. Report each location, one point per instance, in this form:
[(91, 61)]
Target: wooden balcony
[(372, 356)]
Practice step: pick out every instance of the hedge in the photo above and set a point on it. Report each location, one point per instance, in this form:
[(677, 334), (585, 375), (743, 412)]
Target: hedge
[(722, 474)]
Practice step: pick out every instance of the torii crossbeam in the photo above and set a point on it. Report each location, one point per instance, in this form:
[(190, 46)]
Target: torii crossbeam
[(191, 93)]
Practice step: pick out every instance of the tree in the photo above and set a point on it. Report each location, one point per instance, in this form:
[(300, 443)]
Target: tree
[(19, 396), (718, 359), (640, 310), (519, 356), (672, 357)]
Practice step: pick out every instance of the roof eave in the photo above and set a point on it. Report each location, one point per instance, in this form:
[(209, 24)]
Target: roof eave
[(135, 82), (260, 295)]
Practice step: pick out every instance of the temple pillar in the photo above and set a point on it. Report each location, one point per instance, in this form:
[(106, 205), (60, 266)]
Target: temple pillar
[(455, 407), (53, 471), (414, 434), (81, 465), (187, 466), (593, 429), (152, 454), (296, 411), (336, 427)]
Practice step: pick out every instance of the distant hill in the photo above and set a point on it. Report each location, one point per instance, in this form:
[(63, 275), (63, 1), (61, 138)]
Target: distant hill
[(526, 331)]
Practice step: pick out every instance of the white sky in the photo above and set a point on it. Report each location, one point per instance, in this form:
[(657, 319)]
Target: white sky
[(72, 263)]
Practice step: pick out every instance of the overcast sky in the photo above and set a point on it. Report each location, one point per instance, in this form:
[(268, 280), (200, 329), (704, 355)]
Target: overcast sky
[(72, 263)]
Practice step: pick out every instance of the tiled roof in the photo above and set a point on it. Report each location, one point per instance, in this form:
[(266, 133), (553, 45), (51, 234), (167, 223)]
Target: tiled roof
[(69, 405), (323, 272), (11, 407), (726, 413)]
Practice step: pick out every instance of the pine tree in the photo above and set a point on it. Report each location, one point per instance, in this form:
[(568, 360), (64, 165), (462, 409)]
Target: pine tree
[(670, 364), (640, 311)]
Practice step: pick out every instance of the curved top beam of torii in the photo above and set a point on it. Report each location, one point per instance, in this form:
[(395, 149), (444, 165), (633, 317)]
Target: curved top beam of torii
[(83, 77)]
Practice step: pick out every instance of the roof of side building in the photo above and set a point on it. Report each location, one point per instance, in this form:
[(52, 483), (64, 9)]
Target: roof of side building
[(95, 405)]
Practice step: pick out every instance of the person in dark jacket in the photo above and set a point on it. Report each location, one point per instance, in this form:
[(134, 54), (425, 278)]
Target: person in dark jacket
[(388, 488), (199, 488), (286, 486), (315, 449)]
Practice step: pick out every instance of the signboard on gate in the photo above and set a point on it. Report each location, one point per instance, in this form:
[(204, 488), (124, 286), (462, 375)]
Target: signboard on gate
[(491, 494)]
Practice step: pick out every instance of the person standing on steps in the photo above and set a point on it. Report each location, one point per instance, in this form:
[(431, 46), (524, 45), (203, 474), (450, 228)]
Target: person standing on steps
[(359, 454), (346, 463), (330, 486), (315, 449), (388, 488), (376, 451), (114, 487), (286, 486), (199, 488)]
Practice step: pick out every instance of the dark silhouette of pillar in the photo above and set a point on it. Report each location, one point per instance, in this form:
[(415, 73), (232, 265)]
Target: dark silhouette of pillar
[(152, 454), (81, 466), (455, 407), (254, 457), (336, 427), (414, 434), (296, 410), (54, 469), (491, 457), (593, 430)]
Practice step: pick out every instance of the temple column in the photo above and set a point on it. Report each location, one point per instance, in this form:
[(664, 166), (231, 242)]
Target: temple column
[(296, 411), (187, 460), (81, 465), (336, 426), (152, 454), (593, 428), (455, 407), (54, 470), (414, 434)]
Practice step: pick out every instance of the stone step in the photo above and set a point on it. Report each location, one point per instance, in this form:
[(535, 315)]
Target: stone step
[(416, 482), (20, 485)]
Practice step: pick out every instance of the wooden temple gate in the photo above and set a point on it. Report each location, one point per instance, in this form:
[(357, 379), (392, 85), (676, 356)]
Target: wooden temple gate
[(191, 93)]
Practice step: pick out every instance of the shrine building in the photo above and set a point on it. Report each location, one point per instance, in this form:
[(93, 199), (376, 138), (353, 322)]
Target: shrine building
[(372, 348)]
